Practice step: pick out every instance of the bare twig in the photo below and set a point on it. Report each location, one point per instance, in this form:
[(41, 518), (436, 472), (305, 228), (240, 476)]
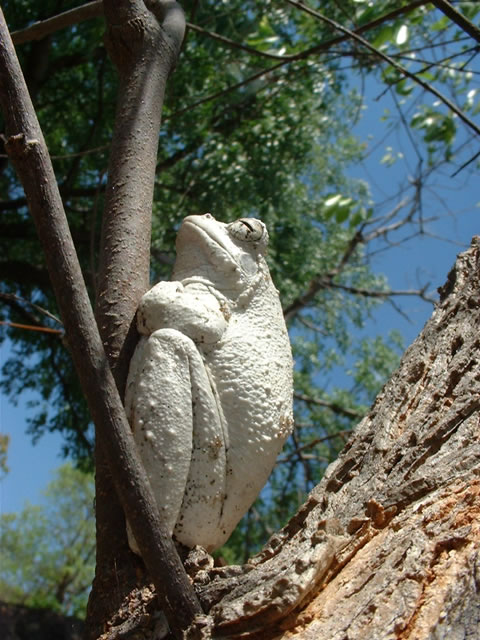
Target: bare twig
[(455, 16), (303, 460), (387, 293), (236, 45), (327, 280), (22, 301), (465, 164), (395, 65), (428, 64), (333, 406), (30, 327), (321, 282), (312, 326), (312, 443)]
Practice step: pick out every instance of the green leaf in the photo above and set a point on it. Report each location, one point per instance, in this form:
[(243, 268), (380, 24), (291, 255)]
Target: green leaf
[(386, 34)]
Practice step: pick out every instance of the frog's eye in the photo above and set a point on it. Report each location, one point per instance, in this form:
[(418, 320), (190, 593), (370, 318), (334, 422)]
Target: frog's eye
[(248, 230)]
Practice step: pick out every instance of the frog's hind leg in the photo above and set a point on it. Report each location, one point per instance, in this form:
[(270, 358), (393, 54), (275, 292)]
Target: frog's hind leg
[(201, 513), (175, 422)]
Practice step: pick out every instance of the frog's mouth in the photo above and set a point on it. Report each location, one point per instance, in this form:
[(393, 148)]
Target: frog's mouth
[(215, 238), (211, 241)]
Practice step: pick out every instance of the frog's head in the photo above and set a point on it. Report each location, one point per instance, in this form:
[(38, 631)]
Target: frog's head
[(228, 256)]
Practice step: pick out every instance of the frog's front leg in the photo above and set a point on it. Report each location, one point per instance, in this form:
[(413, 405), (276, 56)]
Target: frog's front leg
[(178, 428)]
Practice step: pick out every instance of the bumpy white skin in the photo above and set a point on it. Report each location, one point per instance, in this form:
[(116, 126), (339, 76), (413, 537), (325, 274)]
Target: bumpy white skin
[(209, 392)]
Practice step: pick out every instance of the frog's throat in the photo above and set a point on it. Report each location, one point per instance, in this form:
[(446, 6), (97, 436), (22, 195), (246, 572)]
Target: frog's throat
[(260, 282)]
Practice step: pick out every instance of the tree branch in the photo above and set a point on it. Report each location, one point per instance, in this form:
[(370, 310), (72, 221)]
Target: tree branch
[(19, 303), (43, 28), (313, 443), (371, 293), (27, 150), (459, 19), (321, 282), (333, 406), (95, 9), (395, 65)]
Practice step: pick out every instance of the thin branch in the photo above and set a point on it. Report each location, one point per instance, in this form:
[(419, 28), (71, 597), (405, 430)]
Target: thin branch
[(327, 280), (236, 45), (312, 443), (386, 58), (387, 293), (12, 297), (230, 88), (42, 28), (386, 217), (407, 129), (323, 46), (312, 326), (333, 406), (318, 283), (428, 64), (80, 154), (455, 16), (30, 327), (465, 164), (303, 460)]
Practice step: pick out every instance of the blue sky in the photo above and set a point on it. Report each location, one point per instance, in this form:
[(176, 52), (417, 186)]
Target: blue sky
[(423, 259), (30, 466)]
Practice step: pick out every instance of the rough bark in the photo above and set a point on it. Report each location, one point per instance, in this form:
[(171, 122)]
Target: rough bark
[(27, 150), (387, 546)]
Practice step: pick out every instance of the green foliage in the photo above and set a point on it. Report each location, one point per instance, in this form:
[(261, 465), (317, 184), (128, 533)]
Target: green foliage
[(243, 135), (47, 552)]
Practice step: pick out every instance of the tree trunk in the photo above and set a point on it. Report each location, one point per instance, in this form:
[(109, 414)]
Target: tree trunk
[(388, 544)]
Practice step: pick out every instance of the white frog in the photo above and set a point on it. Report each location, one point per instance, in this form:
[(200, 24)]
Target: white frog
[(209, 391)]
